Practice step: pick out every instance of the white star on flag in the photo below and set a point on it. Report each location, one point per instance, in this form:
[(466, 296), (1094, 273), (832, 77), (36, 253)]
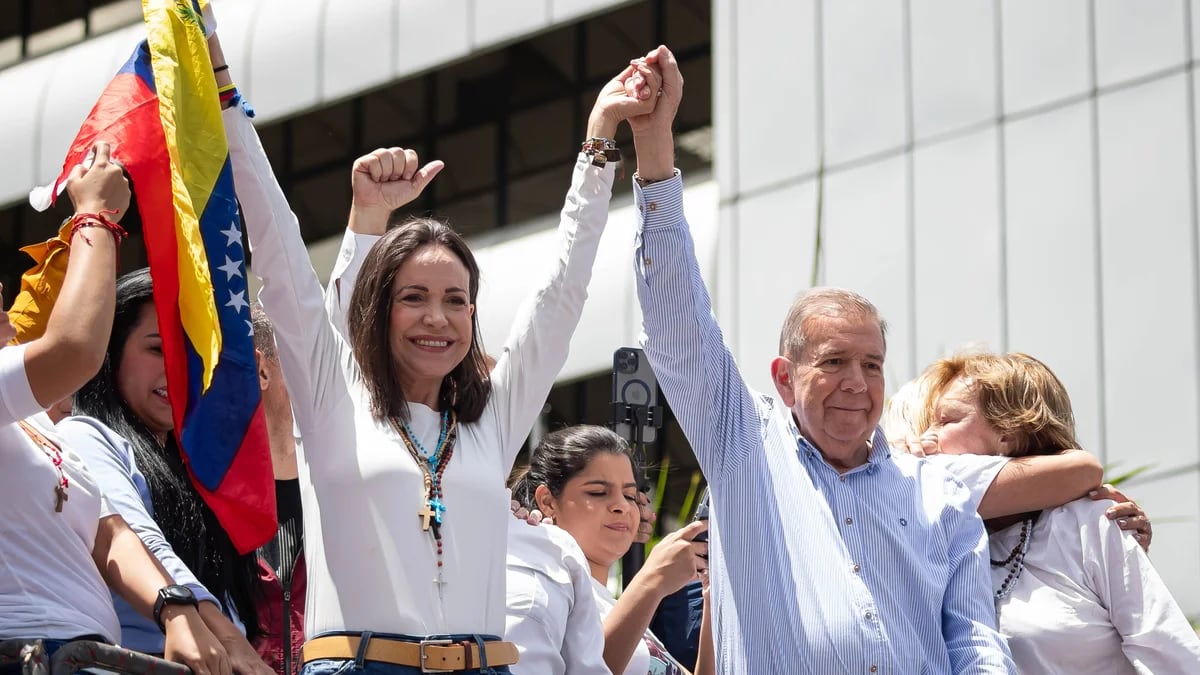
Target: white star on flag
[(231, 268), (233, 234), (237, 301), (250, 328)]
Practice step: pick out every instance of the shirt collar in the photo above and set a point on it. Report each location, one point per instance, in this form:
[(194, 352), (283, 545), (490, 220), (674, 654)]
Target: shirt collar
[(879, 454)]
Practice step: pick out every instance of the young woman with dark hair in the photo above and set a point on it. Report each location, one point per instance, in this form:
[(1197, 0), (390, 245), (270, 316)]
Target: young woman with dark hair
[(61, 541), (407, 442), (122, 428), (582, 477)]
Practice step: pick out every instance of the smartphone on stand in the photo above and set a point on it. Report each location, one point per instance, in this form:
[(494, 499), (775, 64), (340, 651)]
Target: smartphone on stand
[(636, 417)]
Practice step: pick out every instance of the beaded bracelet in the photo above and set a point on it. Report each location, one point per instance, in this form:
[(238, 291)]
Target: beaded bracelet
[(82, 220), (601, 150)]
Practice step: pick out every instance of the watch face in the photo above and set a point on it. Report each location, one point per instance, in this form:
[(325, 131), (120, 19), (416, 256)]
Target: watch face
[(177, 594)]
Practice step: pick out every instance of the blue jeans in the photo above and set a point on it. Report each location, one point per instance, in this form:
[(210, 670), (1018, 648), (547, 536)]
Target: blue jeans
[(361, 666)]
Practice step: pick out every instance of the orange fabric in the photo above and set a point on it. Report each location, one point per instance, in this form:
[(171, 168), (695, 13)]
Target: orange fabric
[(40, 285)]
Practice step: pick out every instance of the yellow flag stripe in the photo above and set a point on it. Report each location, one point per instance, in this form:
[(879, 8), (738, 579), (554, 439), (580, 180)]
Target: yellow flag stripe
[(187, 100)]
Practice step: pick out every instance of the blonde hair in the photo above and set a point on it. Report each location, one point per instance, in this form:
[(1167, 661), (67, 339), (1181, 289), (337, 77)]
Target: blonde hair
[(1017, 394), (905, 413)]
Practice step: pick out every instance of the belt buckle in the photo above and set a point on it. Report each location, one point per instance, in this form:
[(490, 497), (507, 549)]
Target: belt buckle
[(421, 652)]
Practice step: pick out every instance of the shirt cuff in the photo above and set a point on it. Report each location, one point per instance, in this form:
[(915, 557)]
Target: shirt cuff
[(660, 204), (203, 595)]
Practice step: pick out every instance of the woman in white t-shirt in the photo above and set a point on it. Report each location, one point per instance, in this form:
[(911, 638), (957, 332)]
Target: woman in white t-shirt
[(407, 440), (60, 541), (1073, 593), (582, 478)]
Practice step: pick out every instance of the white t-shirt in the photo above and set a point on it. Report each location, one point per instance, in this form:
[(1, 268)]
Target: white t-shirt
[(1089, 601), (49, 585), (370, 564), (650, 657), (552, 616)]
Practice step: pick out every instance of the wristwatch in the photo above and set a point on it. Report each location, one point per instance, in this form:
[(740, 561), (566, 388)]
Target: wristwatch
[(172, 595)]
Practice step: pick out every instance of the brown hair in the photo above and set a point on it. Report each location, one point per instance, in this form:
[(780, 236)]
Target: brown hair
[(1017, 394), (823, 301), (466, 388)]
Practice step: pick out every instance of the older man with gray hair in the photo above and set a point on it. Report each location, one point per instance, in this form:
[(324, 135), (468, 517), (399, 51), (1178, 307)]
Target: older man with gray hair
[(827, 553)]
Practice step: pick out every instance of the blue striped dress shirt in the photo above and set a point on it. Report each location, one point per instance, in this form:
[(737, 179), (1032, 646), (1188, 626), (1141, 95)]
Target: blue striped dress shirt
[(882, 569)]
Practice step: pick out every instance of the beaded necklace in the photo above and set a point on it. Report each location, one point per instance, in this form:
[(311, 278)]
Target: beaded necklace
[(1015, 563), (55, 454), (432, 466)]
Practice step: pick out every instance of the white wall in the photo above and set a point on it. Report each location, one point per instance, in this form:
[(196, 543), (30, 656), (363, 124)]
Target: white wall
[(1017, 174)]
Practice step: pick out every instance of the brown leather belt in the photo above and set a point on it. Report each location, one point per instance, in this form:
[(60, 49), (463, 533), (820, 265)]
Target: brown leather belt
[(431, 656)]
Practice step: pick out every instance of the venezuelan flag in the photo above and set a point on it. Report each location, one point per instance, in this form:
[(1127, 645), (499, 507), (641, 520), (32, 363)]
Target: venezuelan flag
[(162, 116)]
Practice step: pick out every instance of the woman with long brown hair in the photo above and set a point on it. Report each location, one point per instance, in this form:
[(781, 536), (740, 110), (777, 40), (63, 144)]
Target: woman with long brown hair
[(407, 440)]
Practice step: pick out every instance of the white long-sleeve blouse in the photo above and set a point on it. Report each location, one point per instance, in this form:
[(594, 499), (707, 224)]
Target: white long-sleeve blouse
[(371, 566)]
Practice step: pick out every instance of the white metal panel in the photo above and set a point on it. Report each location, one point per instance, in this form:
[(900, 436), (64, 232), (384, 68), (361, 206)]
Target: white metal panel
[(1137, 38), (864, 78), (430, 32), (866, 249), (1148, 276), (285, 56), (957, 253), (725, 88), (776, 92), (1046, 54), (501, 20), (19, 126), (776, 236), (1052, 266), (359, 47), (953, 63), (1195, 12)]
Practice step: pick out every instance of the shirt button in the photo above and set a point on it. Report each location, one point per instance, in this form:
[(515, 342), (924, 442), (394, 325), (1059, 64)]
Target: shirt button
[(855, 568), (849, 521), (868, 616), (873, 669), (653, 206), (842, 478), (647, 261)]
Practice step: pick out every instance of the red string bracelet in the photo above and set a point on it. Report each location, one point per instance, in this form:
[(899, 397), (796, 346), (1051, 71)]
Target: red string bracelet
[(82, 220)]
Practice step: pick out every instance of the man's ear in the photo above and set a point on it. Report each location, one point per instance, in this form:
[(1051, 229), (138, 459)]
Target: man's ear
[(264, 378), (782, 376), (544, 500)]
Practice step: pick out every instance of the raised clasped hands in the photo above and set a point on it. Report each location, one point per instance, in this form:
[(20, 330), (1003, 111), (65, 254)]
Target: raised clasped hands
[(660, 117), (634, 92)]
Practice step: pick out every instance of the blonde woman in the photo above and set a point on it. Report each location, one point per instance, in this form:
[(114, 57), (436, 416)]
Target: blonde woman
[(1074, 593)]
